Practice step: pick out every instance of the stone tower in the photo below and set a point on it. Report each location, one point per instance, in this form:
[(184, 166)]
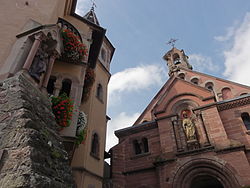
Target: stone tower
[(33, 43)]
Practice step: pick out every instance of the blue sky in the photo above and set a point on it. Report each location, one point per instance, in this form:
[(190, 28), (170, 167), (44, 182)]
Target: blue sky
[(215, 34)]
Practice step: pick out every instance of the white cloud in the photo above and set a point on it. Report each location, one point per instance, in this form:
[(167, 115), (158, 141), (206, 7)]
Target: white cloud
[(228, 36), (123, 120), (202, 63), (237, 59), (135, 79)]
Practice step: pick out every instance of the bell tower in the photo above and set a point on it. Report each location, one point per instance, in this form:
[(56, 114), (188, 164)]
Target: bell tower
[(176, 59)]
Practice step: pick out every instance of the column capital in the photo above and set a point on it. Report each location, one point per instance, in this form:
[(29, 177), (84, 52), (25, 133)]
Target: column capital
[(39, 36)]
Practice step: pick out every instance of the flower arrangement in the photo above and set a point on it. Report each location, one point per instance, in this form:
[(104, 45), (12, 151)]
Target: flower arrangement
[(74, 49), (81, 132), (62, 107), (88, 82)]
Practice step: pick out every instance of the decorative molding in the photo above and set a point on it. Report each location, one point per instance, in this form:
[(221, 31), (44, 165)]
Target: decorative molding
[(164, 161), (136, 156), (138, 170), (196, 151), (230, 149), (233, 104)]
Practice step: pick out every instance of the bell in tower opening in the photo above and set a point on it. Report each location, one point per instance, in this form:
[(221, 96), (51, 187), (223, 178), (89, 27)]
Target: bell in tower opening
[(176, 59)]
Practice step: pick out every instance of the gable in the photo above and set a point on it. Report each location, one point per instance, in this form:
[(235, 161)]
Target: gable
[(181, 90), (174, 89)]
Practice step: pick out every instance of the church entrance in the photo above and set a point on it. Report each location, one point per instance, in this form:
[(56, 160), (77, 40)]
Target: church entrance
[(206, 182), (204, 173)]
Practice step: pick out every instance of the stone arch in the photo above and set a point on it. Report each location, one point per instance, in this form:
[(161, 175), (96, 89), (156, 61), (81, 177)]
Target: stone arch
[(176, 58), (195, 80), (226, 93), (168, 106), (219, 170), (209, 85), (182, 75), (95, 144), (99, 92), (183, 104)]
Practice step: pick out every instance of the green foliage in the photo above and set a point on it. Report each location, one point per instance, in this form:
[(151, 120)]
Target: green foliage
[(55, 154), (81, 136)]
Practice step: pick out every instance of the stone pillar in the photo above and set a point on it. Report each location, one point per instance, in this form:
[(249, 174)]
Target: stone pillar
[(48, 72), (32, 53), (58, 85)]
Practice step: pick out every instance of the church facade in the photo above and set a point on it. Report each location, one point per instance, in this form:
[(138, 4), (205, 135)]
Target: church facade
[(60, 52), (195, 133)]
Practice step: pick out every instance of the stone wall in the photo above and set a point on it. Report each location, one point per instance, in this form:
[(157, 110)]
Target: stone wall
[(31, 150)]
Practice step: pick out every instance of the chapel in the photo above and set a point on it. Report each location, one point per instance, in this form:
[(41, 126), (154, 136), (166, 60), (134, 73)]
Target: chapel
[(195, 133), (56, 52)]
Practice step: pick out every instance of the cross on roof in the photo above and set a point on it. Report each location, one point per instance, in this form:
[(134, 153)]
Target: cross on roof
[(93, 4), (171, 42)]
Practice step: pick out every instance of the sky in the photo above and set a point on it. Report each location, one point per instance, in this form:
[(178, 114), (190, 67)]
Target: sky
[(215, 34)]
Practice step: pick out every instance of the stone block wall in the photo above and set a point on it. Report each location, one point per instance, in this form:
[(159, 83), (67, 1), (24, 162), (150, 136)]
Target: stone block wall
[(31, 150)]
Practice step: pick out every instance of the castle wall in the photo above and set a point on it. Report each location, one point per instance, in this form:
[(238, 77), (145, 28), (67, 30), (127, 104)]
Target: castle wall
[(31, 150)]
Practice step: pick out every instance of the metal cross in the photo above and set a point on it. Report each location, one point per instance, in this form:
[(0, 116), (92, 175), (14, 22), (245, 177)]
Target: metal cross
[(93, 4), (172, 42)]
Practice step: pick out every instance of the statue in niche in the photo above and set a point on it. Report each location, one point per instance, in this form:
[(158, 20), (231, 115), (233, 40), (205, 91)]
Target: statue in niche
[(40, 62), (188, 126)]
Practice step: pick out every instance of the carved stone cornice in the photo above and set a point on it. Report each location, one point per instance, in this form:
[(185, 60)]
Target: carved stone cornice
[(233, 103)]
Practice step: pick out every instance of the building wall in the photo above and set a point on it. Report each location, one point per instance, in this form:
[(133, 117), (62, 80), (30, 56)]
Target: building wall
[(234, 126), (95, 110), (19, 16)]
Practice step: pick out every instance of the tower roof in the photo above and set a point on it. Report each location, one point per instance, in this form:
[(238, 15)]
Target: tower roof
[(91, 16)]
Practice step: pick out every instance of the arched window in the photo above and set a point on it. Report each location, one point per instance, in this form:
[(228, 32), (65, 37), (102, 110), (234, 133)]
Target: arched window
[(246, 119), (51, 85), (103, 54), (195, 81), (226, 93), (99, 92), (176, 59), (181, 76), (209, 85), (145, 145), (66, 87), (95, 145), (137, 147)]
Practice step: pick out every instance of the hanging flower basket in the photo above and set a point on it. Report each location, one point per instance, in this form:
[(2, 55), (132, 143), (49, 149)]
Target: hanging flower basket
[(62, 107), (74, 50), (88, 83)]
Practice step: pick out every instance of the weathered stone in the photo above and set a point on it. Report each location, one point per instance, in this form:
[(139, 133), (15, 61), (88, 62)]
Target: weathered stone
[(33, 154)]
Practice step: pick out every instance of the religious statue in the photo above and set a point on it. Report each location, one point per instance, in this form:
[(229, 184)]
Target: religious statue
[(40, 62), (189, 127)]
